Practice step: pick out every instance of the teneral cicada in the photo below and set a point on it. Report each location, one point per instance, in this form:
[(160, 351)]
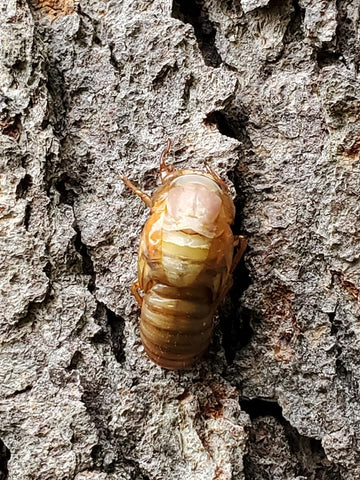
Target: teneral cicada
[(185, 264)]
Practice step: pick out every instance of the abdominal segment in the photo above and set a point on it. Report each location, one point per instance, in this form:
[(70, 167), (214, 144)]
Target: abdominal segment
[(176, 325), (183, 257)]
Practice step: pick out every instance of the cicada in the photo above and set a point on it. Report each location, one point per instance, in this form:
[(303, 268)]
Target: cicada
[(185, 262)]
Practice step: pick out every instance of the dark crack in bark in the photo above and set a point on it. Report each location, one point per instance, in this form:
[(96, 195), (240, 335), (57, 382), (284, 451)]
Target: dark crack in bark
[(235, 320), (4, 458), (326, 56), (86, 261), (66, 187), (116, 324), (260, 408), (23, 186), (195, 13), (295, 31), (27, 216), (277, 450)]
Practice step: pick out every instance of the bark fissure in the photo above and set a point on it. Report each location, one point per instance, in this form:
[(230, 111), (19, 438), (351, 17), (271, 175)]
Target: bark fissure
[(234, 319), (195, 13), (295, 29), (5, 456), (86, 261), (116, 324), (267, 428)]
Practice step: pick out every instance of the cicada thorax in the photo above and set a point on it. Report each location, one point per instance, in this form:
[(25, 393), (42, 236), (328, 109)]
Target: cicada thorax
[(184, 262)]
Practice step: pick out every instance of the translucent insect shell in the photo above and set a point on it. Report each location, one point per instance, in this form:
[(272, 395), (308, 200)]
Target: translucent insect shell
[(185, 264)]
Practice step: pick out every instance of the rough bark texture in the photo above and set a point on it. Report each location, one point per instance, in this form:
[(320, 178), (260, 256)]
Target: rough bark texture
[(267, 92)]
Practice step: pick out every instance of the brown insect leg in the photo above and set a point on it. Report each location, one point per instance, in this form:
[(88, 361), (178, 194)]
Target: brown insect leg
[(241, 242), (165, 169), (219, 180), (212, 172), (144, 197), (134, 291), (224, 291)]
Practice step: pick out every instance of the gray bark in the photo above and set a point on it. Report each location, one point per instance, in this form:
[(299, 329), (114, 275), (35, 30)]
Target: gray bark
[(268, 93)]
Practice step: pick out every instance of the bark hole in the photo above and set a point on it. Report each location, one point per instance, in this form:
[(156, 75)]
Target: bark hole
[(230, 122), (195, 13), (27, 216), (59, 97), (64, 187), (312, 462), (11, 127), (112, 331), (23, 186), (187, 89), (235, 321), (260, 408), (76, 359), (294, 31), (98, 455), (327, 57)]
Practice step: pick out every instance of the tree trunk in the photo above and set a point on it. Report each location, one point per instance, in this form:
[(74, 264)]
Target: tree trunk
[(268, 93)]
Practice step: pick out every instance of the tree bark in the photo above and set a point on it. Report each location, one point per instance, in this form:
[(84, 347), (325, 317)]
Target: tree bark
[(268, 93)]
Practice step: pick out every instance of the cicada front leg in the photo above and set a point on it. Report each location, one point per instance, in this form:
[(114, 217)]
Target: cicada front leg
[(165, 170), (144, 197), (209, 169)]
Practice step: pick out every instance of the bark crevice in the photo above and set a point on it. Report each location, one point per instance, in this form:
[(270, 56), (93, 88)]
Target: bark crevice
[(235, 320), (195, 12), (5, 456), (270, 428)]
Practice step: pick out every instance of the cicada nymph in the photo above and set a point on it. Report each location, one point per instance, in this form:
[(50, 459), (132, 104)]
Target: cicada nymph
[(185, 263)]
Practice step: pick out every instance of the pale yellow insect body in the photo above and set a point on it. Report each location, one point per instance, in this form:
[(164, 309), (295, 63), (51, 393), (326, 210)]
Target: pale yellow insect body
[(185, 264)]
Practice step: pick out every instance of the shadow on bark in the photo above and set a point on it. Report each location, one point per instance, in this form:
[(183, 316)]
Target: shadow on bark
[(235, 320), (195, 13), (4, 458)]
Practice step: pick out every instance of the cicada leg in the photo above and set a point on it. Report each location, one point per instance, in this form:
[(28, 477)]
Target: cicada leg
[(165, 170), (209, 169), (134, 290), (241, 243), (144, 197)]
